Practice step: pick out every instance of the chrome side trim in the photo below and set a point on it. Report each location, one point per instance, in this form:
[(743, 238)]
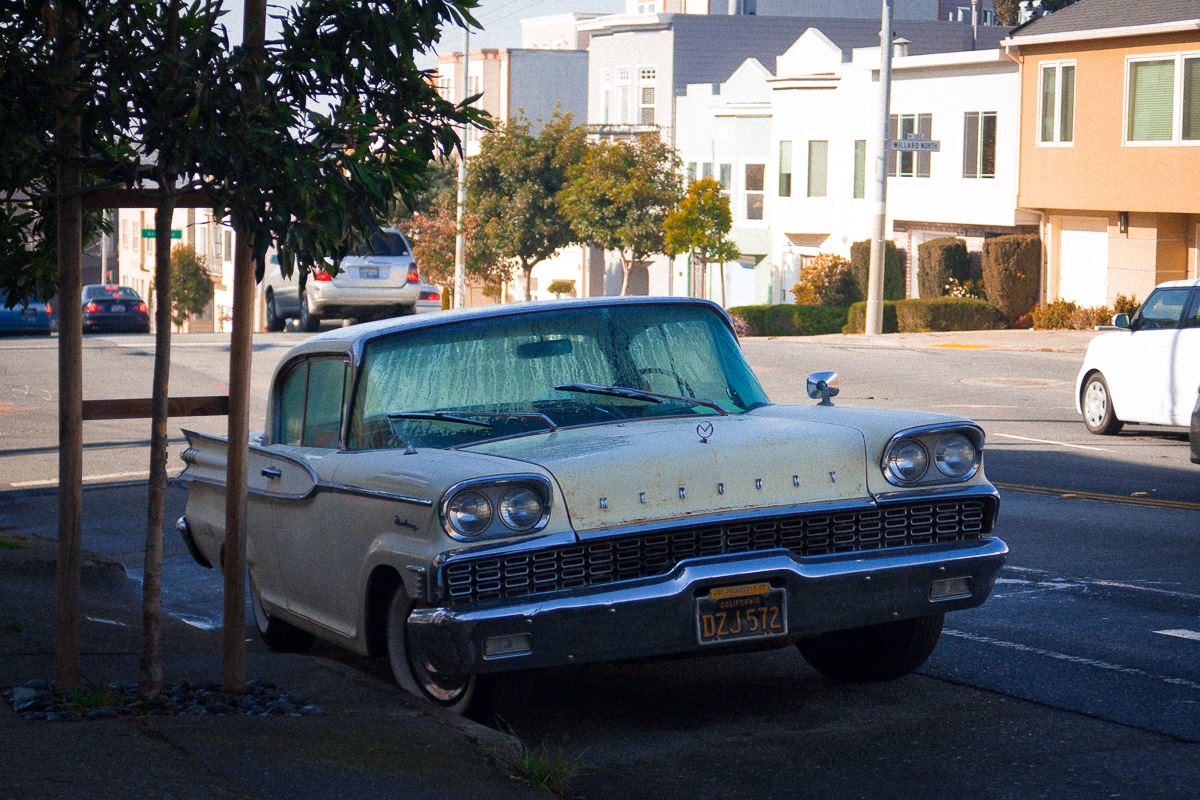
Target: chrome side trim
[(341, 488)]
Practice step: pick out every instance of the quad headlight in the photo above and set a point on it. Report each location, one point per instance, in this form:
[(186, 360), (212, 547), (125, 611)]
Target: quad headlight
[(933, 454), (495, 507)]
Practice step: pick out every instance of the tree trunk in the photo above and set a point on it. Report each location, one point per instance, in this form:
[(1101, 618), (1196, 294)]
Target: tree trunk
[(527, 271), (70, 359), (151, 675), (626, 269)]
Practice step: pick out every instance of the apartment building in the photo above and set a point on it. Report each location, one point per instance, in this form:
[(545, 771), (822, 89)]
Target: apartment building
[(1110, 145)]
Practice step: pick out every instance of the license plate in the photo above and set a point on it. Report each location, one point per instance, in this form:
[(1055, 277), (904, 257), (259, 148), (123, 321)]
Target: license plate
[(368, 272), (738, 613), (116, 309)]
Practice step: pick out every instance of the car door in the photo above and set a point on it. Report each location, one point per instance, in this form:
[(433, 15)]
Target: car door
[(1145, 384), (1185, 364), (316, 560)]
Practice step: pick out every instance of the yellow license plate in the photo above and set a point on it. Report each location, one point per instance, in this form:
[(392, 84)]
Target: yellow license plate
[(738, 613)]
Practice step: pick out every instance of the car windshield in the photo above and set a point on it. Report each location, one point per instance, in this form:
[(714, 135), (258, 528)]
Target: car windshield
[(117, 292), (384, 243), (515, 373)]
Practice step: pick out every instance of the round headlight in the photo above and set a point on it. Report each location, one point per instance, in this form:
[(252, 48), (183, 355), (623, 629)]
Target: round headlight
[(470, 513), (521, 508), (955, 455), (908, 461)]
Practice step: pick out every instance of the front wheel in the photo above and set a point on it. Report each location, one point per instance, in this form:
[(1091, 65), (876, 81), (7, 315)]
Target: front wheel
[(1098, 414), (483, 698), (876, 652)]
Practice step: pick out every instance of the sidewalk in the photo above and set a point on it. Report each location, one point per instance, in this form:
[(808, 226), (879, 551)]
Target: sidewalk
[(368, 741), (1013, 340)]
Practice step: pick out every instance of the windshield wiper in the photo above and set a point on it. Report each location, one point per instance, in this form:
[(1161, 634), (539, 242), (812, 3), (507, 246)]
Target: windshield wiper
[(638, 394), (464, 417)]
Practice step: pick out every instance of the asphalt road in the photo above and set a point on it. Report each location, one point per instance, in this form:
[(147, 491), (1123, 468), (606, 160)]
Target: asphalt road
[(1079, 678)]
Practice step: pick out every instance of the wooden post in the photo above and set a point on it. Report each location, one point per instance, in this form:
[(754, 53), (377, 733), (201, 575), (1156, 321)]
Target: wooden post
[(70, 359)]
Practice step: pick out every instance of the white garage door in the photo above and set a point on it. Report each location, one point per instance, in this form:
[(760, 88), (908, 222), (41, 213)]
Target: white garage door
[(1083, 261)]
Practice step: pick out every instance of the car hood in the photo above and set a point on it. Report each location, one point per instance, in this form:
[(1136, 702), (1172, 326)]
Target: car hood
[(638, 472)]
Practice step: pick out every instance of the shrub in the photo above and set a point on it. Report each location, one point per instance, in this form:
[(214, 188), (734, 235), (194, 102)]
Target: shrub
[(893, 277), (937, 314), (1012, 273), (942, 260), (1125, 305), (1066, 315), (560, 287), (790, 320), (967, 288), (827, 280)]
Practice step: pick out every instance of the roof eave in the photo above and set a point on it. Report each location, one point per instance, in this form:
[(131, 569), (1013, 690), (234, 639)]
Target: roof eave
[(1179, 26)]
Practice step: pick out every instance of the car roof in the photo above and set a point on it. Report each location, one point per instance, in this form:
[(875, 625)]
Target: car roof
[(352, 337), (1186, 282)]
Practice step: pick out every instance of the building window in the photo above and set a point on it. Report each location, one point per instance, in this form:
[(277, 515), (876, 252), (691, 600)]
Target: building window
[(1159, 92), (755, 181), (860, 169), (706, 169), (725, 173), (909, 163), (623, 96), (691, 172), (1057, 107), (979, 144), (818, 167), (648, 7), (646, 78), (785, 169)]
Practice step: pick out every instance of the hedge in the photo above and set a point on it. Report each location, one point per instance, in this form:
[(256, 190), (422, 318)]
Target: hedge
[(791, 320), (937, 314), (893, 277), (1012, 273), (942, 259)]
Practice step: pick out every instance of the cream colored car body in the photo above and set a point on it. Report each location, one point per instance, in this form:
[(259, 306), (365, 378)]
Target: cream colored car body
[(325, 522)]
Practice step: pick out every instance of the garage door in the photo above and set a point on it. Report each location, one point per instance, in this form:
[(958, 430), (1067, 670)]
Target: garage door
[(1083, 261)]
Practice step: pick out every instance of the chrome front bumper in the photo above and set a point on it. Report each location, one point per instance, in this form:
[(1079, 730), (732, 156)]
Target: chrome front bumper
[(657, 616)]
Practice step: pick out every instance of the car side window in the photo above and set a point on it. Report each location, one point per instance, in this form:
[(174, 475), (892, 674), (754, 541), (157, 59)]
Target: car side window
[(311, 400), (1193, 317), (1163, 309)]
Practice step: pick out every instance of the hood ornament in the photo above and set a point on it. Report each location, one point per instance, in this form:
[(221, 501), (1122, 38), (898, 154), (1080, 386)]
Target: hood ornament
[(704, 430)]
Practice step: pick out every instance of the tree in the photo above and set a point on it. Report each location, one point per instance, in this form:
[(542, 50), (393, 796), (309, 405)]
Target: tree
[(700, 226), (191, 286), (827, 280), (1007, 11), (513, 186), (306, 143), (618, 197)]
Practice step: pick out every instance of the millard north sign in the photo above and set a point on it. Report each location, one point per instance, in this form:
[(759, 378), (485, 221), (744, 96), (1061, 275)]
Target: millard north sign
[(148, 233), (914, 141)]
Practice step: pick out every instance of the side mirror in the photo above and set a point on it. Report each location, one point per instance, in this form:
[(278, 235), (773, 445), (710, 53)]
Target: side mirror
[(823, 386), (1120, 321)]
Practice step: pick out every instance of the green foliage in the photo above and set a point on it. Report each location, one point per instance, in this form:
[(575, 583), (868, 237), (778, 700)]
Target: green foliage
[(942, 261), (936, 314), (893, 276), (513, 186), (789, 320), (191, 286), (619, 194), (701, 223), (1012, 268), (826, 280), (544, 768)]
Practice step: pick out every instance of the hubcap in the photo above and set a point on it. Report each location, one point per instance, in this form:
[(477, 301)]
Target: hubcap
[(441, 687), (1095, 404)]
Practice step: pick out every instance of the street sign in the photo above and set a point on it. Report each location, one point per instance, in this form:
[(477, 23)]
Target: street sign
[(148, 233), (914, 142)]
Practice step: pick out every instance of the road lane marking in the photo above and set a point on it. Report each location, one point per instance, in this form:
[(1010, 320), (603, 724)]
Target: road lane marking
[(1075, 494), (1080, 660), (1057, 582), (1051, 441), (1182, 634)]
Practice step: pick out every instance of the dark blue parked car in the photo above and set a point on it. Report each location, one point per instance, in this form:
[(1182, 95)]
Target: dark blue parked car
[(25, 316), (112, 308)]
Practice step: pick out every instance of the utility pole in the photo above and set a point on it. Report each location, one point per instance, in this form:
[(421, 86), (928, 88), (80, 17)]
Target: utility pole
[(874, 321), (460, 238)]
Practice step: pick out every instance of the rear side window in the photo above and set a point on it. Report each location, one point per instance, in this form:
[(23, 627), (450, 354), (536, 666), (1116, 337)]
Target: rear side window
[(310, 403)]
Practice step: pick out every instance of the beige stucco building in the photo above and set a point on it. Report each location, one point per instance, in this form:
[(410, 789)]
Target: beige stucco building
[(1110, 145)]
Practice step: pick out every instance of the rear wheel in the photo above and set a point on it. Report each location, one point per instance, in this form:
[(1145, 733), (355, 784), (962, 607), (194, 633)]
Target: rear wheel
[(1098, 414), (275, 322), (876, 652), (483, 698), (279, 635), (309, 322)]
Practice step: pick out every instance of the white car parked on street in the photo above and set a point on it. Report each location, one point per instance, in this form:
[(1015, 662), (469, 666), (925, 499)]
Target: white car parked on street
[(1150, 370)]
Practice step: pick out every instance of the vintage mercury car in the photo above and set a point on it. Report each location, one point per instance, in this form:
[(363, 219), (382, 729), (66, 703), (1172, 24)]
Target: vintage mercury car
[(477, 493)]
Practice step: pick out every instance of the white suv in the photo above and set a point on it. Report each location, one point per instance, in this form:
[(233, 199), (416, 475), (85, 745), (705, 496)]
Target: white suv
[(379, 279)]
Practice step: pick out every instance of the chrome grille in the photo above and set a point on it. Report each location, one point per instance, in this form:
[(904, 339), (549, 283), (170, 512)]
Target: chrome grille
[(480, 579)]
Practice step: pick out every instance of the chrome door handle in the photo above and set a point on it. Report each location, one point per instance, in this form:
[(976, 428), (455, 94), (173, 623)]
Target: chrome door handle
[(271, 472)]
